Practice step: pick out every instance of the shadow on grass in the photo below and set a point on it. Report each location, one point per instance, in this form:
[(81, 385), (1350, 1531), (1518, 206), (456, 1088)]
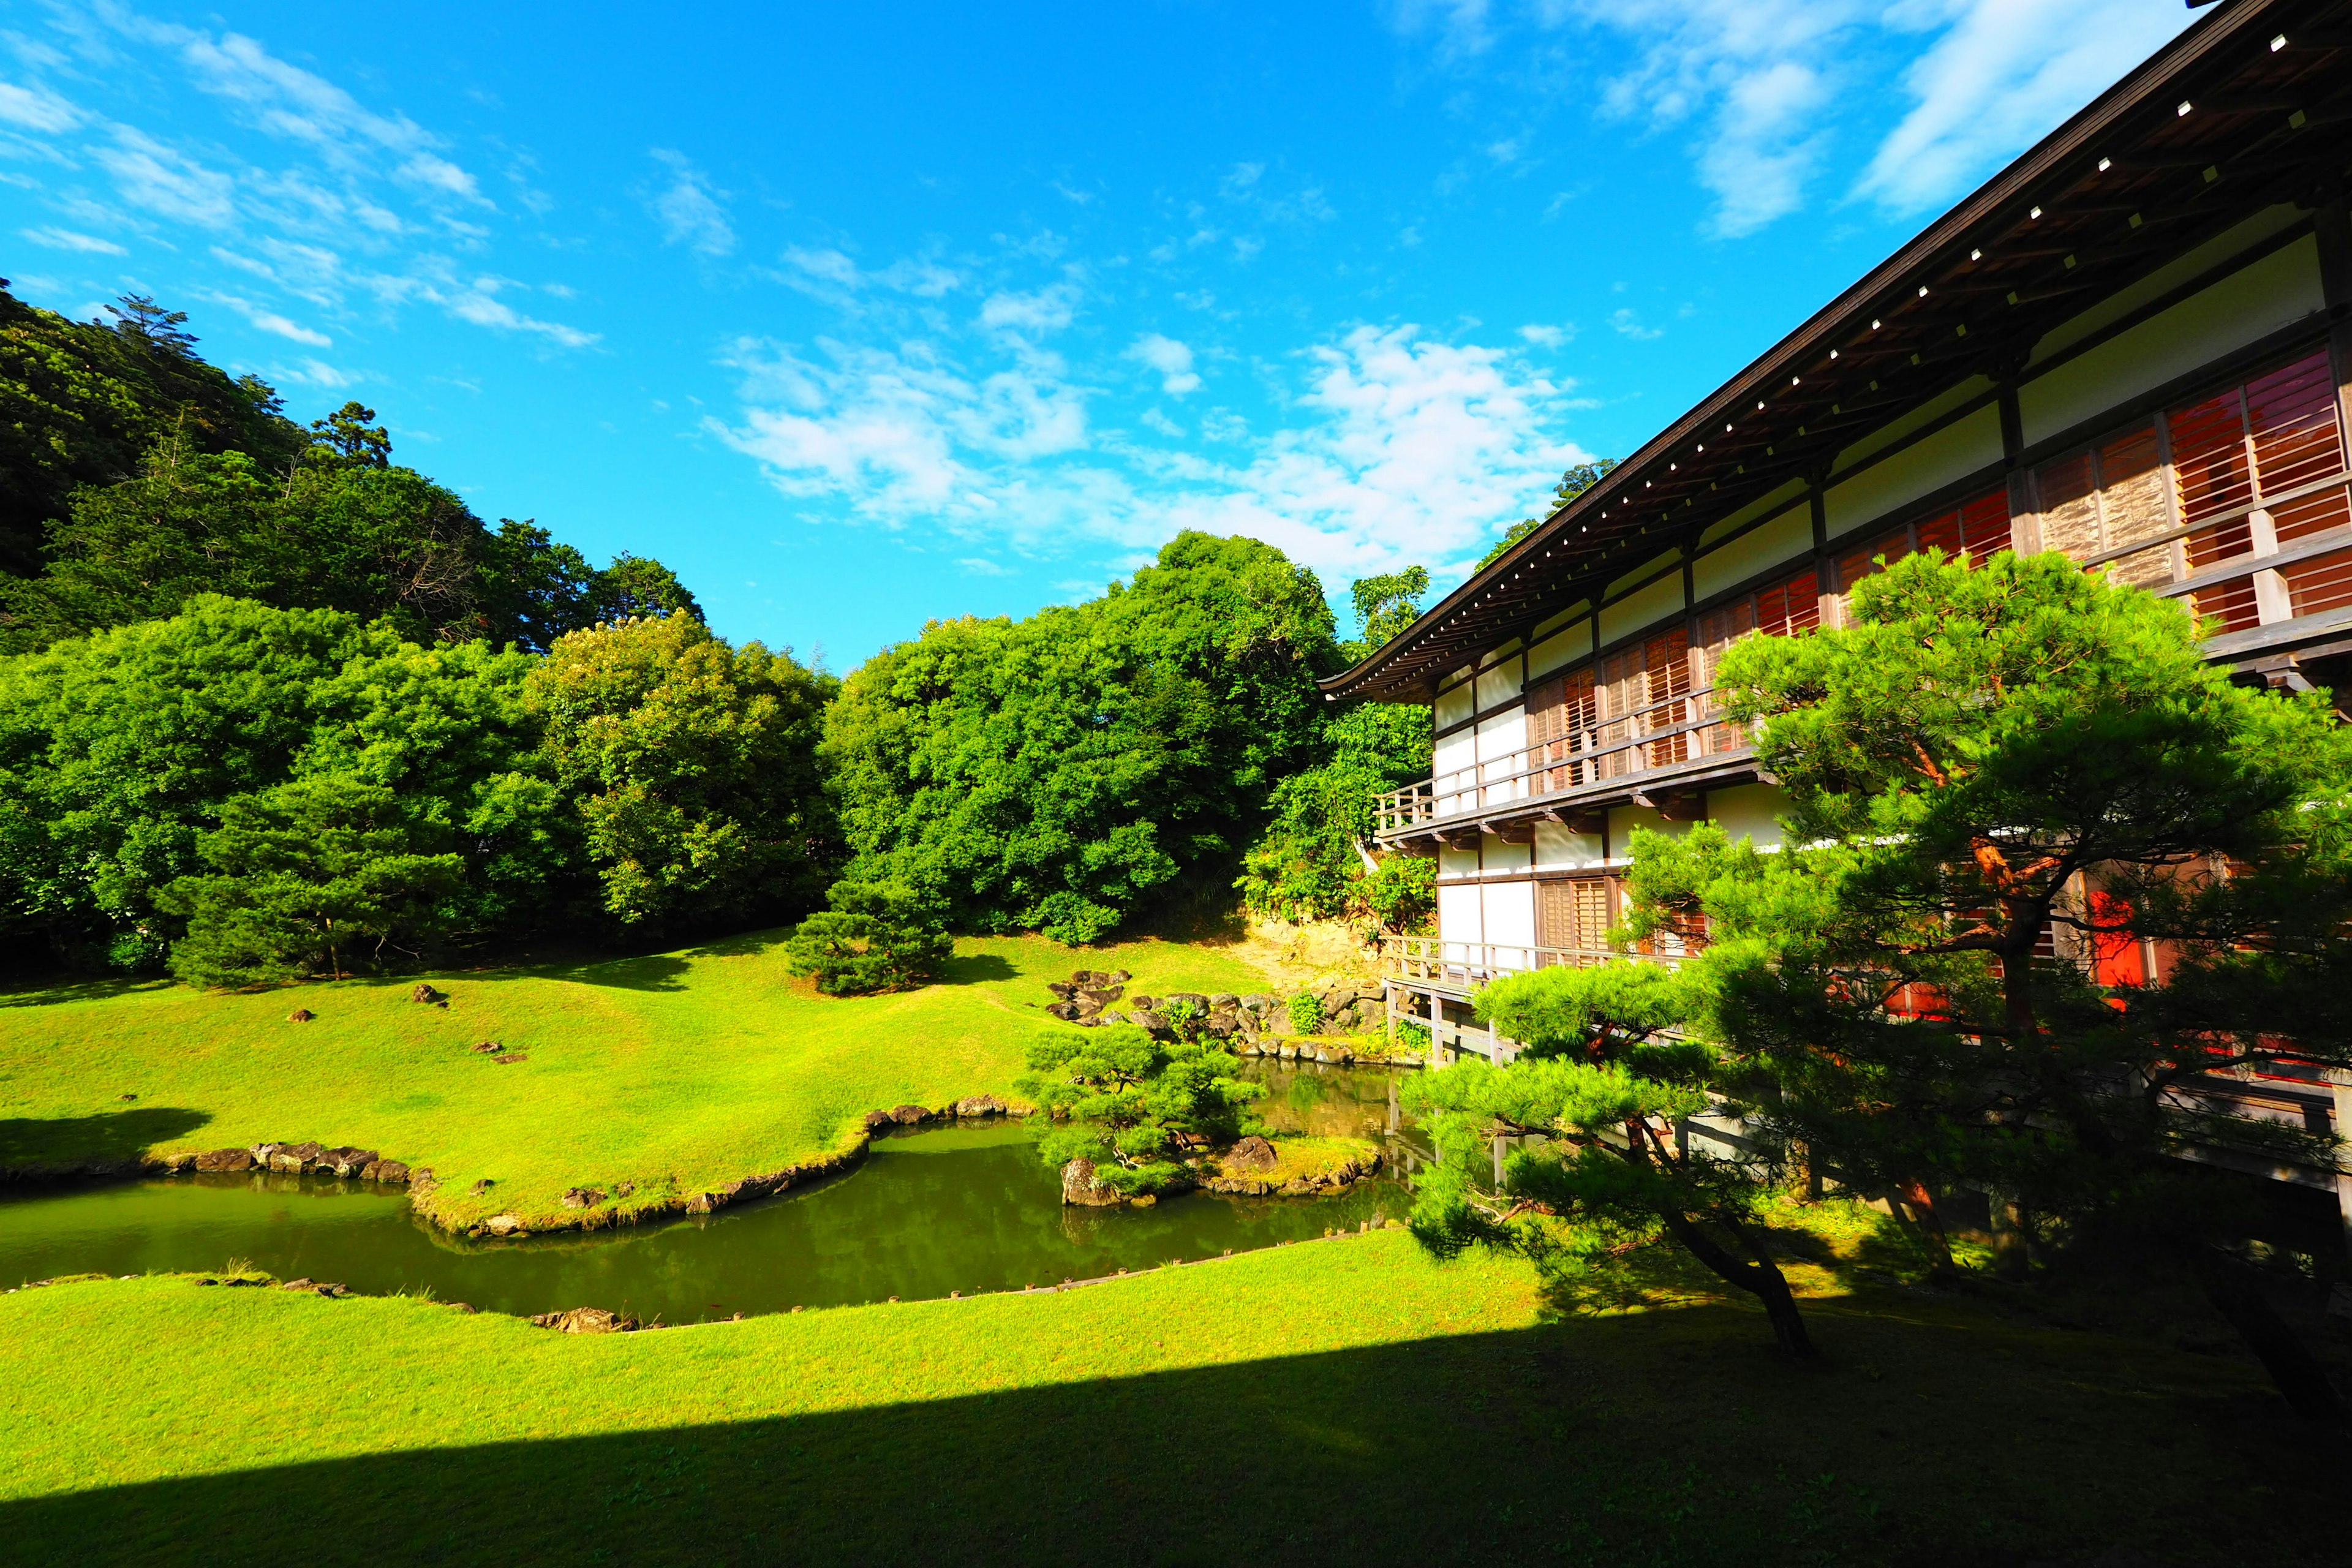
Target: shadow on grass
[(31, 1146), (49, 993), (652, 972), (1671, 1438), (972, 969)]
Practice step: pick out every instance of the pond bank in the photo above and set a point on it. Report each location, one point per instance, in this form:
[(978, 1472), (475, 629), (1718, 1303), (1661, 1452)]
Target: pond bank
[(957, 1210)]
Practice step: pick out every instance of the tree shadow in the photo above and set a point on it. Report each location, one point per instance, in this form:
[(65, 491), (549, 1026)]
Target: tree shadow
[(1674, 1437), (746, 944), (972, 969), (34, 1146), (48, 994), (652, 972)]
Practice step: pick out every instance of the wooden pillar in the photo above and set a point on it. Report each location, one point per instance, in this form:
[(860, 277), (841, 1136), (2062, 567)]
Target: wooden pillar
[(2341, 1083), (1826, 584), (2024, 522), (2331, 227)]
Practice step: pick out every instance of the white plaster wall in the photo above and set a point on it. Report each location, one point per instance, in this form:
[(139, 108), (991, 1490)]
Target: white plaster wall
[(1911, 419), (1500, 684), (1502, 743), (1750, 811), (1510, 911), (1564, 647), (1770, 501), (1458, 919), (1453, 862), (1787, 536), (1661, 601), (1452, 706), (1958, 449), (1494, 854), (1454, 764), (1623, 819), (2194, 263), (2280, 288), (1558, 845)]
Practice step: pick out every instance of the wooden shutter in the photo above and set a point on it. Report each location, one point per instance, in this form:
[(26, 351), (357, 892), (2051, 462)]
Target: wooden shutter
[(1573, 913), (2292, 419)]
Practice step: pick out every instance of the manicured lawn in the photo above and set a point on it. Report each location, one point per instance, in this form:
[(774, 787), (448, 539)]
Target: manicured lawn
[(676, 1073), (1332, 1402)]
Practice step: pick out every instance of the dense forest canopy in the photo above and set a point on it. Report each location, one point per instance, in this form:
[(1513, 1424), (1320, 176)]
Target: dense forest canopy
[(275, 704)]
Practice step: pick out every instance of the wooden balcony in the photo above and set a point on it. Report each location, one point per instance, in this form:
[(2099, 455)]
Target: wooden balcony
[(1661, 755), (1432, 963)]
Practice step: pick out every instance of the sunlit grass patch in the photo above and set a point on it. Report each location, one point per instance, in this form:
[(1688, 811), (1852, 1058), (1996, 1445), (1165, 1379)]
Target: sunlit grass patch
[(669, 1074)]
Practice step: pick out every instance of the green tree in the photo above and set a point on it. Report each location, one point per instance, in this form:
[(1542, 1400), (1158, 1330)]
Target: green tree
[(1132, 1106), (1578, 479), (346, 437), (640, 586), (81, 402), (1056, 773), (1314, 860), (1604, 1090), (1386, 606), (119, 752), (877, 936), (1988, 767), (694, 765), (304, 876)]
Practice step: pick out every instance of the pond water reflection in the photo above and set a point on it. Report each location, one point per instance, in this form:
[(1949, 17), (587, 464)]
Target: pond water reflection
[(968, 1208)]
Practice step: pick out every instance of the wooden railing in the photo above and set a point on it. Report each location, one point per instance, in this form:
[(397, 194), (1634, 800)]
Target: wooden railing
[(1439, 964), (1624, 747)]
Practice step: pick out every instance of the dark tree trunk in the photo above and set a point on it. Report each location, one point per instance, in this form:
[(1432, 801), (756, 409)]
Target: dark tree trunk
[(1762, 1279), (2008, 1255), (2237, 1296), (1921, 1204)]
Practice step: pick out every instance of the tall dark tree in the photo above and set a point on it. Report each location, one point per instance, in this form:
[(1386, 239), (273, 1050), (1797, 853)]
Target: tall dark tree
[(2004, 783)]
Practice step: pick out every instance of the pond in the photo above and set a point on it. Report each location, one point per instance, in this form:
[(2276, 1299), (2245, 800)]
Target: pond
[(967, 1209)]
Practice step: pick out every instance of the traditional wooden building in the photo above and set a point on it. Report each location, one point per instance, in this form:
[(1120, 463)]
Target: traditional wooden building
[(2133, 345)]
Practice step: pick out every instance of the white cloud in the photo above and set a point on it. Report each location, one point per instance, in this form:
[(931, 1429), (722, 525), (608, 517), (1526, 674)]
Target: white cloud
[(2004, 75), (1171, 358), (1544, 336), (1630, 324), (899, 432), (1048, 309), (978, 566), (68, 240), (270, 320), (35, 108), (692, 212), (167, 182), (1766, 89), (478, 302), (313, 373), (1398, 448)]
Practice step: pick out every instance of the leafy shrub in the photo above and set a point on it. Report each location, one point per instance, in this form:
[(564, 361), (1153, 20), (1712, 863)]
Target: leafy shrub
[(877, 936), (1306, 1014), (1127, 1102)]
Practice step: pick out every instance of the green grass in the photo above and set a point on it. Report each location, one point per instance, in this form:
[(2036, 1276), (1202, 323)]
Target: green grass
[(676, 1072), (1342, 1401)]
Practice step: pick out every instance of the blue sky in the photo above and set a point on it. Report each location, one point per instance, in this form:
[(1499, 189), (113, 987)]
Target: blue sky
[(863, 315)]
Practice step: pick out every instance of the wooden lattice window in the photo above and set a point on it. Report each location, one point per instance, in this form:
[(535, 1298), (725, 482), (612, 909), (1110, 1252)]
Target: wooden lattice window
[(1978, 530), (1572, 913)]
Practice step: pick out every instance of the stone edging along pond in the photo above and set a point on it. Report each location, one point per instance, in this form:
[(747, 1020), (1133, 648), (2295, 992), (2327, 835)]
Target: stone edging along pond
[(586, 1208)]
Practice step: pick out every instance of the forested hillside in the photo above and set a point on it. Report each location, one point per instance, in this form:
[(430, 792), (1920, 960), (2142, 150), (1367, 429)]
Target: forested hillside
[(273, 705)]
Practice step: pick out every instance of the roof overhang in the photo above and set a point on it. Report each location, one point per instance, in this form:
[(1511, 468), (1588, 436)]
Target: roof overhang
[(2215, 127)]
